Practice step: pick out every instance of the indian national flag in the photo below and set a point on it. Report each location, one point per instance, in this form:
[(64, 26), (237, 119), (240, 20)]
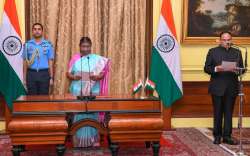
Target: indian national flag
[(137, 86), (11, 63), (165, 69), (150, 85)]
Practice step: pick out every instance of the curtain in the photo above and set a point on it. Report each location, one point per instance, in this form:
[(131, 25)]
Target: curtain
[(117, 29)]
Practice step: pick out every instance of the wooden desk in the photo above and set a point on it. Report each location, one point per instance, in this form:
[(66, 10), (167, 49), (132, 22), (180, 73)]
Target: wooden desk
[(42, 120)]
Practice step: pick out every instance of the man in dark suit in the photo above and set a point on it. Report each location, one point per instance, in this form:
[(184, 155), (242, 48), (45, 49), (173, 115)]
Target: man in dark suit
[(223, 86)]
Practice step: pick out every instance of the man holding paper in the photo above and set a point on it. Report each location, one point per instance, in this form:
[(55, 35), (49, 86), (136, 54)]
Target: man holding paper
[(221, 64)]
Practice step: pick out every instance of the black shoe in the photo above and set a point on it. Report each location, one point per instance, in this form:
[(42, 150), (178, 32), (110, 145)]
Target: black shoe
[(217, 140), (230, 141)]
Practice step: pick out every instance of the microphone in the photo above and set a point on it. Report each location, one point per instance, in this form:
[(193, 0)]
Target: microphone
[(90, 96), (237, 45), (246, 63), (90, 91), (81, 78), (240, 46), (80, 97)]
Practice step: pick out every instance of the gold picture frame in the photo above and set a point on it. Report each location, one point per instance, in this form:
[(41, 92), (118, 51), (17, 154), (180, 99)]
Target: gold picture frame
[(201, 26)]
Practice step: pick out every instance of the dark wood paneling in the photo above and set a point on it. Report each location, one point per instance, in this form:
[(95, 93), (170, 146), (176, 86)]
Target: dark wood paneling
[(196, 101)]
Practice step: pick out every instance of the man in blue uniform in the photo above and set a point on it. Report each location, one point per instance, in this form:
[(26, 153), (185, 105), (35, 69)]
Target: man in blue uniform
[(38, 55)]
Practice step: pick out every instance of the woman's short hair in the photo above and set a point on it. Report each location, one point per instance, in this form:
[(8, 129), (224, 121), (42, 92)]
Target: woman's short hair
[(85, 40)]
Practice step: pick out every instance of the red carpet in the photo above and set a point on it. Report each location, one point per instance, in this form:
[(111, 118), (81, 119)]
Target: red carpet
[(182, 142), (164, 143)]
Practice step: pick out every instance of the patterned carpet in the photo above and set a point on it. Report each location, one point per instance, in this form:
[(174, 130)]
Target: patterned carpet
[(232, 149), (180, 142)]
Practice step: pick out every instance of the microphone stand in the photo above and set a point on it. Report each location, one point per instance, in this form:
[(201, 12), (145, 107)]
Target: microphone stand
[(241, 102), (89, 97), (239, 46), (81, 95)]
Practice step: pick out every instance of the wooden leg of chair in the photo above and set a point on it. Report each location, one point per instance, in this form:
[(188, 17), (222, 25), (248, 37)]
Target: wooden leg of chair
[(156, 148), (22, 148), (101, 138), (60, 149), (17, 149), (114, 149), (109, 142), (147, 144)]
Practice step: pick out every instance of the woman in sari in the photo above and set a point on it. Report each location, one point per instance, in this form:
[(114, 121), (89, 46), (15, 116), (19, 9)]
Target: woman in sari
[(82, 84)]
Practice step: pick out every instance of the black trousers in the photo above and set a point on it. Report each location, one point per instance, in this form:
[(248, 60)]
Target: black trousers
[(223, 107), (38, 82)]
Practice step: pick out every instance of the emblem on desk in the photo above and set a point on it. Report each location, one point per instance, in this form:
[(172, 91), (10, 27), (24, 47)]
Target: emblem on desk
[(12, 45), (165, 43)]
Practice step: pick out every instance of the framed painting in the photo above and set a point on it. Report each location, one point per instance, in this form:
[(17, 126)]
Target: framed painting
[(204, 20)]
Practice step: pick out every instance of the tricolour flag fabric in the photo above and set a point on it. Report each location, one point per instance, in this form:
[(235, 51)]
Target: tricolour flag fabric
[(149, 85), (11, 63), (165, 69), (137, 86)]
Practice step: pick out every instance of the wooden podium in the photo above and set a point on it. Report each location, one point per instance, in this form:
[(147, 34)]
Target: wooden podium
[(43, 120)]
